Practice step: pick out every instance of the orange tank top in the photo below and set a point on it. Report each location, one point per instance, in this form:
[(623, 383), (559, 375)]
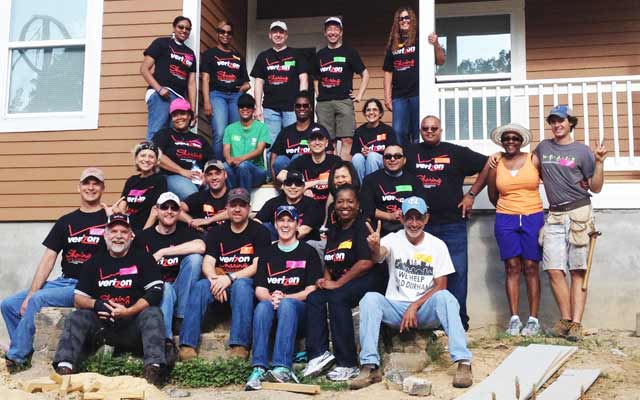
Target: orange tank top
[(519, 194)]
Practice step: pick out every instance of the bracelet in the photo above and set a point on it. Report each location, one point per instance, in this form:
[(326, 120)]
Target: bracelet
[(231, 277), (470, 193)]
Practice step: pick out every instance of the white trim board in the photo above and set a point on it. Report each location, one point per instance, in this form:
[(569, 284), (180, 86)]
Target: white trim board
[(569, 384)]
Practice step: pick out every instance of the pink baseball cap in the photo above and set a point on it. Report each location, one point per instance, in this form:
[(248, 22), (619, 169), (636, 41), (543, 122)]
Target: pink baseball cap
[(179, 104)]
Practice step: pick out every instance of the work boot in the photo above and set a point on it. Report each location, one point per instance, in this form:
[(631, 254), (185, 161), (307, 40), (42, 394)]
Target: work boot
[(463, 377), (240, 352), (154, 374), (187, 353), (561, 328), (575, 332), (170, 353), (369, 374)]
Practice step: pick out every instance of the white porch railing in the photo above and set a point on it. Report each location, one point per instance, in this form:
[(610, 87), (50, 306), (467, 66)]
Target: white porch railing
[(604, 106)]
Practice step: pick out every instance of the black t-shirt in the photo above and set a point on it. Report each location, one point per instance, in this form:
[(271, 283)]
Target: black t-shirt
[(202, 204), (79, 236), (236, 251), (122, 280), (345, 247), (403, 63), (376, 139), (290, 272), (280, 71), (227, 69), (442, 169), (335, 69), (153, 241), (311, 213), (141, 195), (290, 141), (183, 148), (173, 63), (380, 191), (312, 171)]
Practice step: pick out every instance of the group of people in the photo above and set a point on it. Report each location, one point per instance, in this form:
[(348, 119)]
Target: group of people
[(383, 226)]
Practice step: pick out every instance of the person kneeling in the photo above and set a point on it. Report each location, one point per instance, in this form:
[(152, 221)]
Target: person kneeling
[(117, 298), (416, 296), (287, 272)]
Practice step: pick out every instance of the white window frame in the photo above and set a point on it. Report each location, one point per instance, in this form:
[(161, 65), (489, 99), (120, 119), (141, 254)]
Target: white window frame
[(55, 121)]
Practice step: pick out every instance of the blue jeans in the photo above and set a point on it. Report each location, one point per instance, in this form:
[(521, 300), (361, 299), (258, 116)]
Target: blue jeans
[(440, 309), (55, 293), (158, 113), (289, 314), (240, 297), (246, 175), (176, 294), (366, 165), (225, 112), (276, 120), (406, 119), (455, 237), (181, 186)]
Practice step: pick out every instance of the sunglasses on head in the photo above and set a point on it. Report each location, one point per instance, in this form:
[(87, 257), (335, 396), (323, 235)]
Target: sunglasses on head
[(146, 146), (511, 138), (184, 27), (224, 32), (167, 206), (430, 128), (396, 156), (303, 105), (404, 18)]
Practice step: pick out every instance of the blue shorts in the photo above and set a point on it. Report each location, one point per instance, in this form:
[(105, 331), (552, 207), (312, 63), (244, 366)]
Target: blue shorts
[(517, 235)]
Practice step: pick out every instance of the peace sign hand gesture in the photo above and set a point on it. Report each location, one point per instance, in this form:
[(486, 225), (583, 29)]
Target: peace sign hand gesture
[(373, 240)]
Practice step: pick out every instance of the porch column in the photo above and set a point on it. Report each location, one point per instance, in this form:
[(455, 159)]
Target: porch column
[(428, 93)]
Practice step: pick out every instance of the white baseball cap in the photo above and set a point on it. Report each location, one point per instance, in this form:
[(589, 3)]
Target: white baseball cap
[(278, 24)]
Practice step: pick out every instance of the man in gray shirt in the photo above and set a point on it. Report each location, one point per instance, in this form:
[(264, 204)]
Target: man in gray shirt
[(569, 171)]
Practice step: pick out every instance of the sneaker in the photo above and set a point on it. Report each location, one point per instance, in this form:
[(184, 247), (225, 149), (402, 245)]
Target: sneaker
[(63, 370), (532, 328), (240, 352), (340, 374), (170, 353), (255, 379), (154, 374), (514, 327), (561, 328), (369, 374), (280, 375), (187, 353), (14, 366), (319, 365), (463, 377), (575, 332)]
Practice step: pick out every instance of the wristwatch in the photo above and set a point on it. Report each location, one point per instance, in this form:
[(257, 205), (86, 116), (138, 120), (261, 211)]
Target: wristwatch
[(470, 193)]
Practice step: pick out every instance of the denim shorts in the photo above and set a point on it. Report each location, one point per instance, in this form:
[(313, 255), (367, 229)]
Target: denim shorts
[(517, 235)]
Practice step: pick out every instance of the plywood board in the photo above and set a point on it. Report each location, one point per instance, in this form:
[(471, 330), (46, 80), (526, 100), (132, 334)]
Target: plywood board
[(569, 384)]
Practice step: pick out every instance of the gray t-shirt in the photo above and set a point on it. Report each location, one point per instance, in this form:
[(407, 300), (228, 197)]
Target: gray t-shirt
[(563, 167)]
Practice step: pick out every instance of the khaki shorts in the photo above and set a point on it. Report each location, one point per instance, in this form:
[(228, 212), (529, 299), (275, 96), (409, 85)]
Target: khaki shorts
[(559, 250), (338, 116)]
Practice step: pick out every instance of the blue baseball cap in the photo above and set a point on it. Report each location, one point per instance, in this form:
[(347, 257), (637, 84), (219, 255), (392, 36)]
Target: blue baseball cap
[(291, 210), (562, 111), (414, 203)]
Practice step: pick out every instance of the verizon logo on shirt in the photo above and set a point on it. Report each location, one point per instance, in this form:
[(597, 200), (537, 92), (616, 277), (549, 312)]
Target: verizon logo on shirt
[(236, 259), (283, 277), (227, 63), (184, 58), (189, 143), (138, 195), (113, 281), (405, 50)]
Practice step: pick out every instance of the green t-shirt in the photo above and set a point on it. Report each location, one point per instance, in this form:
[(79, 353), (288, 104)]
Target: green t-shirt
[(245, 140)]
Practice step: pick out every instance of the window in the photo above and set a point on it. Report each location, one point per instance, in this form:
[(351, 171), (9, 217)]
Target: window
[(50, 54)]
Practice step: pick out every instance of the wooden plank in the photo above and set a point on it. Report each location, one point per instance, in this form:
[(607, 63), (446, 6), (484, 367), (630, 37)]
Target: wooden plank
[(121, 69), (137, 43), (584, 73), (612, 49), (63, 160), (583, 62), (29, 175), (569, 384), (68, 147), (148, 17), (130, 81), (117, 56), (102, 133), (292, 387), (123, 107), (128, 31), (137, 6), (50, 186), (124, 120)]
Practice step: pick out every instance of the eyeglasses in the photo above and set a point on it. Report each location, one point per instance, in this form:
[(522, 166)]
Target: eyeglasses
[(172, 207), (429, 128), (294, 183), (224, 32), (512, 138), (396, 156), (184, 27), (404, 18), (303, 105)]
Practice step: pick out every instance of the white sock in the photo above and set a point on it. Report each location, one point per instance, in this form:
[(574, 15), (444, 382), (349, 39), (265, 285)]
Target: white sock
[(65, 364), (534, 319), (514, 317), (465, 362), (156, 365)]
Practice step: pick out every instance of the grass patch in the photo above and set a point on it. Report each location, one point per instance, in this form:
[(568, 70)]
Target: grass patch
[(323, 382)]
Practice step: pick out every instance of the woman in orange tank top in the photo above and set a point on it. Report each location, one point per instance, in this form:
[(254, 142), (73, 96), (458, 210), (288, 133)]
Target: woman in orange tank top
[(513, 188)]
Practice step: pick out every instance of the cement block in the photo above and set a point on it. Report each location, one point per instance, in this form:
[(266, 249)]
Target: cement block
[(415, 386), (393, 379), (410, 362), (415, 340), (49, 324)]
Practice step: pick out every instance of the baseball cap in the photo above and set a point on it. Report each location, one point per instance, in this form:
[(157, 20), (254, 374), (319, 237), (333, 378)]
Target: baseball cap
[(562, 111), (287, 209), (414, 203), (214, 164), (278, 24), (118, 218), (294, 176), (239, 194), (246, 101), (318, 132), (179, 104), (168, 196), (333, 21), (92, 172)]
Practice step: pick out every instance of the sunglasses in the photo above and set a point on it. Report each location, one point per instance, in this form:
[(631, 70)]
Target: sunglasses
[(224, 32), (404, 18), (396, 156), (512, 138), (294, 183), (184, 27), (429, 128), (146, 146), (246, 107), (303, 105), (173, 207)]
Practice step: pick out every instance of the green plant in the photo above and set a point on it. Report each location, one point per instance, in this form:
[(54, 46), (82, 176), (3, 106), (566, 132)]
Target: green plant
[(323, 382), (109, 365), (435, 350), (219, 372)]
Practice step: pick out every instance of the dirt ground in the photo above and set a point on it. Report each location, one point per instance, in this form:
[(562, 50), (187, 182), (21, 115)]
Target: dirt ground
[(616, 353)]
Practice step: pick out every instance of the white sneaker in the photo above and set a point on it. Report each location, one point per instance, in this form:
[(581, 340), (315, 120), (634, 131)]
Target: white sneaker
[(514, 326), (532, 328), (340, 374), (319, 365)]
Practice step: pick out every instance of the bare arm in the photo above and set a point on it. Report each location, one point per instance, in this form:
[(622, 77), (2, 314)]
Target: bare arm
[(304, 81), (208, 109), (301, 295), (258, 91), (597, 180), (492, 190), (195, 246), (82, 301), (146, 71), (303, 231), (193, 94), (253, 154), (263, 294), (168, 164), (363, 85), (245, 87), (386, 83)]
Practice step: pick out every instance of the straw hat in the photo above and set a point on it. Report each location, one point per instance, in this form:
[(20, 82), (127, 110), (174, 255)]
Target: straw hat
[(497, 133)]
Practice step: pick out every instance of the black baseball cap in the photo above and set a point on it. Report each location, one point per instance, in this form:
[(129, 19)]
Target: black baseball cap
[(318, 132), (294, 176), (246, 101)]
